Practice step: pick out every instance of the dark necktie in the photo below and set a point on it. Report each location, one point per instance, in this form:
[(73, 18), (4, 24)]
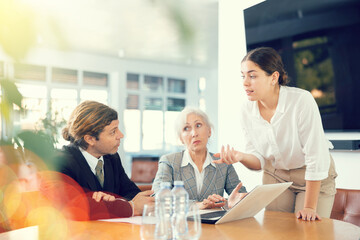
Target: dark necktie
[(99, 172)]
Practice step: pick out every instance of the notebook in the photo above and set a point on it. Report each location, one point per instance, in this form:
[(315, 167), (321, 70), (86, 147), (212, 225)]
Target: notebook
[(249, 206)]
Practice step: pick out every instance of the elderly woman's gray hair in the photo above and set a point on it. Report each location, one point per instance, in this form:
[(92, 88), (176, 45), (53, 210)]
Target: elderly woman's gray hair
[(181, 119)]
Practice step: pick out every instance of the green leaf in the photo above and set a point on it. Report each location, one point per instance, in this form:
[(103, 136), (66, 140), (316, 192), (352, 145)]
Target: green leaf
[(11, 93), (39, 143)]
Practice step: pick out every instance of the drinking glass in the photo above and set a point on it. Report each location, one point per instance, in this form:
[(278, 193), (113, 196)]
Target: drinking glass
[(148, 223), (193, 222)]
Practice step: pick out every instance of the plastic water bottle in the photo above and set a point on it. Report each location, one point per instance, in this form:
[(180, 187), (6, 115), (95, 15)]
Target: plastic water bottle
[(164, 209), (181, 207)]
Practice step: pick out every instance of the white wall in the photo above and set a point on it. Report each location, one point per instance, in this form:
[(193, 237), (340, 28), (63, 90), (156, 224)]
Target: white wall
[(232, 48), (211, 98), (347, 165)]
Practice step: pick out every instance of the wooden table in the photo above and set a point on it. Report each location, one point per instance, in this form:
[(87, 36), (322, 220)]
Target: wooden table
[(265, 225)]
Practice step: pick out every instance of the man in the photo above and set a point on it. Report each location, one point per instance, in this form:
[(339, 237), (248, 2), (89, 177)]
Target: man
[(92, 159)]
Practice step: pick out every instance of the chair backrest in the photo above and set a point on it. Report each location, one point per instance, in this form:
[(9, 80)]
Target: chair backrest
[(143, 171), (347, 206)]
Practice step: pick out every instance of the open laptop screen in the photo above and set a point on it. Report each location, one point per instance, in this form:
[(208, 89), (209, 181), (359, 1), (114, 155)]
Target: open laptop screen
[(249, 206)]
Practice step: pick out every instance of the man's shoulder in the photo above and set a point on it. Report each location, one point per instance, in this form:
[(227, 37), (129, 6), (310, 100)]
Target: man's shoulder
[(70, 149), (114, 159), (68, 155), (112, 156)]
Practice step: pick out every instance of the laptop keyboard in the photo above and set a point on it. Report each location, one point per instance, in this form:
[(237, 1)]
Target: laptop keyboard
[(212, 214)]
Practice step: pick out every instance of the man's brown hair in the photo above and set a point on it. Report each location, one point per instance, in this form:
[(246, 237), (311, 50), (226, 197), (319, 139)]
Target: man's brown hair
[(88, 118)]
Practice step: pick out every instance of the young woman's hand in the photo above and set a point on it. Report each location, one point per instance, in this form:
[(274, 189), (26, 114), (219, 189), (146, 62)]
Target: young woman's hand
[(308, 214), (228, 156)]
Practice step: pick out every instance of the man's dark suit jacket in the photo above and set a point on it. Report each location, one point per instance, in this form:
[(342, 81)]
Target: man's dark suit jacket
[(116, 181)]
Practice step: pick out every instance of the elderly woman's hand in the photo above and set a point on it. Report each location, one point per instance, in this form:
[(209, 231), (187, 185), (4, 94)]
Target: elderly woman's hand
[(228, 156), (236, 196), (213, 201)]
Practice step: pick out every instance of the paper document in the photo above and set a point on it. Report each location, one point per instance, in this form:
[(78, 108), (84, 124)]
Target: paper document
[(133, 220)]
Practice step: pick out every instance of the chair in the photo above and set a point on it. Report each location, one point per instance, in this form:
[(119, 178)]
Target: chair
[(143, 172), (347, 206)]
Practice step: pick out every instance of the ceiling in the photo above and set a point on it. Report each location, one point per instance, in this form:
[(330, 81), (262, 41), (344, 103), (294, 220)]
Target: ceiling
[(179, 32), (172, 31), (274, 20), (279, 10)]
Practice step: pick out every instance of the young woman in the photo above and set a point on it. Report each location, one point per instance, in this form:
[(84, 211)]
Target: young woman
[(284, 136)]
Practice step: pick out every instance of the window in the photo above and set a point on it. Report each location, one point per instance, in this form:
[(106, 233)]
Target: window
[(60, 75), (176, 85), (132, 101), (153, 103), (175, 104), (34, 103), (94, 94), (30, 72), (170, 134), (95, 79), (132, 129), (63, 100), (152, 83), (153, 128), (57, 94), (132, 81)]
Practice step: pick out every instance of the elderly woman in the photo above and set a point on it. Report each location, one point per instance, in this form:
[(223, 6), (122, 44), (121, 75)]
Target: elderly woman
[(203, 180)]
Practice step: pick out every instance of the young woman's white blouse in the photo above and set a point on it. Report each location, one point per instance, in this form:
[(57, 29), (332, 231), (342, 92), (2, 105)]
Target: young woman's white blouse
[(293, 138)]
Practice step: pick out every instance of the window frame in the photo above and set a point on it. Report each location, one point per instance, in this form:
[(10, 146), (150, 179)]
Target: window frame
[(50, 84), (165, 94)]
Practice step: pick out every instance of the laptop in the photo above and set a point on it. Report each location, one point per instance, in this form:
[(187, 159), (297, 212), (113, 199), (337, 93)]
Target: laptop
[(249, 206)]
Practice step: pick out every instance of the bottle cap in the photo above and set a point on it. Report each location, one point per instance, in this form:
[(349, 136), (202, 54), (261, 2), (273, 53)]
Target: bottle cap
[(178, 183), (165, 185)]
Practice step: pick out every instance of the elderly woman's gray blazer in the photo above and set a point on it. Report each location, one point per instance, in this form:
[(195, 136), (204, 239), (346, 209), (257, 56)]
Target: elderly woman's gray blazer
[(217, 179)]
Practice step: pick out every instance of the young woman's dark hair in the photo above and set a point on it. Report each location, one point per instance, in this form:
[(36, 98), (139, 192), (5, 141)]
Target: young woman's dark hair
[(269, 61)]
